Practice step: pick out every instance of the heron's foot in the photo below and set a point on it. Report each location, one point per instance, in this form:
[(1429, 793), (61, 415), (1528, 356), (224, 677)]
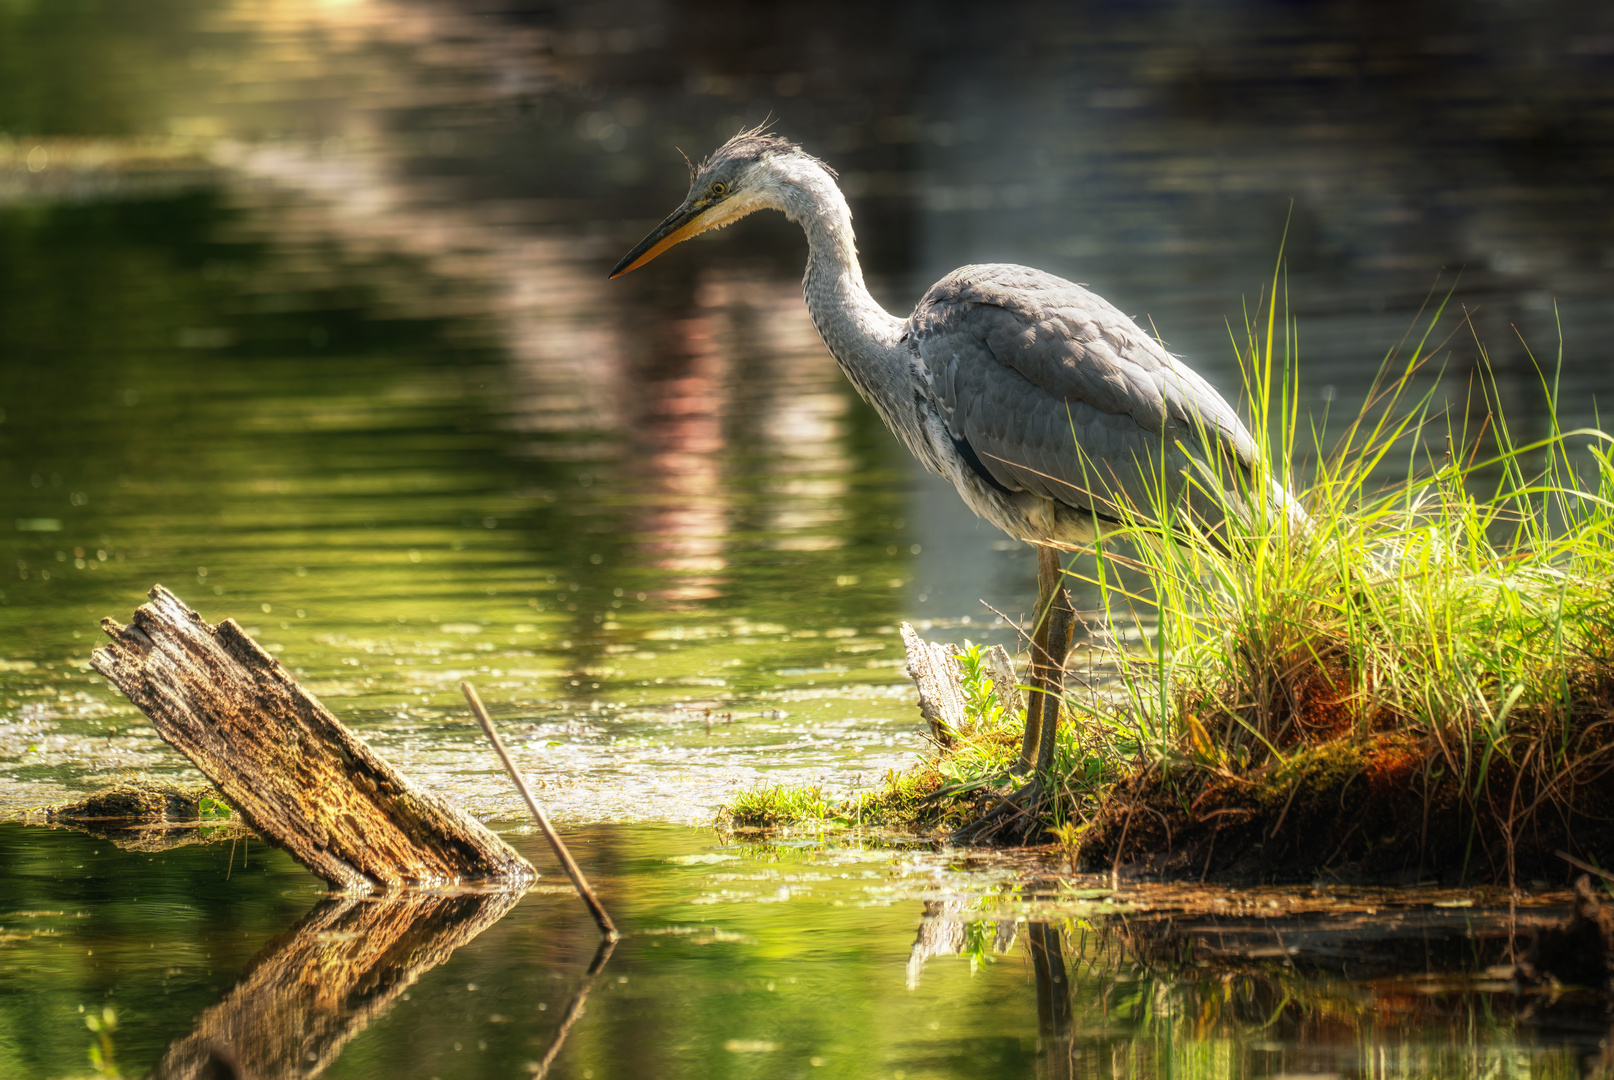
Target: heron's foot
[(1015, 819)]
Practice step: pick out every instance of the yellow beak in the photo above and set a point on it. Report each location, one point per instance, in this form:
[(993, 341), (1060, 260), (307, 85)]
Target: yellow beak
[(680, 225)]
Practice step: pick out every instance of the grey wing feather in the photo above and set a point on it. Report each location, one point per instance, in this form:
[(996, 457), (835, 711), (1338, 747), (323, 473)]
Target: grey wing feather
[(1026, 367)]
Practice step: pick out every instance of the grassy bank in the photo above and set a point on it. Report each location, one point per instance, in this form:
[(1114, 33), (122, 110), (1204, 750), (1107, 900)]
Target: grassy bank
[(1418, 683)]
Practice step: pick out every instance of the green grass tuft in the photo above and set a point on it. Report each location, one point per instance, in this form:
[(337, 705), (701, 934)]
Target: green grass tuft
[(1453, 592), (772, 805)]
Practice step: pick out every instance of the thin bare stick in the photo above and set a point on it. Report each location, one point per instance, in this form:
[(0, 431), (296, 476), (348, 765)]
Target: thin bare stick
[(573, 871)]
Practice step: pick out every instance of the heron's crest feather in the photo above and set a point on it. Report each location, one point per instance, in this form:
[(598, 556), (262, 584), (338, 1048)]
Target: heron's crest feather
[(753, 145)]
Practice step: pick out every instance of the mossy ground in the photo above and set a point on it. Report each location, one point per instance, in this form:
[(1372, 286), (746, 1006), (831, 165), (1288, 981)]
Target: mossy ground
[(901, 805), (149, 814), (1388, 806)]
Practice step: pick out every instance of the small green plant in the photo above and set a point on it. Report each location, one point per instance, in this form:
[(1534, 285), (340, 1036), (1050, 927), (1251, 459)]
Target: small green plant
[(767, 806), (1069, 836), (980, 935), (982, 706), (211, 809)]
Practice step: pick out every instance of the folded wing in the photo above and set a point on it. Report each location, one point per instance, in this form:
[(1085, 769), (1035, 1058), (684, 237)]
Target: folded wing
[(1054, 391)]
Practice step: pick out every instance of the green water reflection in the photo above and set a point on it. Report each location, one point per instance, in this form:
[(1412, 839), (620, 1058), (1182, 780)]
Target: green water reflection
[(795, 959), (389, 510)]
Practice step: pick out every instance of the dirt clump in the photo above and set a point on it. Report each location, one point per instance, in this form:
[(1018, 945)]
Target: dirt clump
[(148, 815), (1383, 807), (139, 803)]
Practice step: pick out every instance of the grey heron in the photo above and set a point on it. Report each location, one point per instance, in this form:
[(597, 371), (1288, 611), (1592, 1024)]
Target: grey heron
[(1048, 409)]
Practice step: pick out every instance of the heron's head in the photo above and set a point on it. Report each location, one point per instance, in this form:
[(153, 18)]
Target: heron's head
[(750, 172)]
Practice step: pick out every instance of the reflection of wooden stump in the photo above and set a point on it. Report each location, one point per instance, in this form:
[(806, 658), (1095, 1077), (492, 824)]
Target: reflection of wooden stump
[(341, 967), (286, 764), (941, 933), (944, 931)]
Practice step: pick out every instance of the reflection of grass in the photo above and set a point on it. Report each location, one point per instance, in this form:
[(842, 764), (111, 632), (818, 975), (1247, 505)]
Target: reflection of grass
[(101, 1052)]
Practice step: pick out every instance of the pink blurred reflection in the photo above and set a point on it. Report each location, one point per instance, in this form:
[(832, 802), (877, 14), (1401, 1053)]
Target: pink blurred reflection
[(680, 443), (658, 403)]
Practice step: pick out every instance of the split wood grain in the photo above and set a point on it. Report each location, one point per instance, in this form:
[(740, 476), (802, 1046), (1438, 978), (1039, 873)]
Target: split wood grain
[(287, 765), (933, 666)]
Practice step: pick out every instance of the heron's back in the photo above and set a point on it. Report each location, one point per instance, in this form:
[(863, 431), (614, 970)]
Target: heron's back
[(1048, 390)]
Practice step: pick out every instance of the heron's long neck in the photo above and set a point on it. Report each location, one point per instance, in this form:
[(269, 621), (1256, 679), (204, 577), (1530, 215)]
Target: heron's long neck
[(861, 334)]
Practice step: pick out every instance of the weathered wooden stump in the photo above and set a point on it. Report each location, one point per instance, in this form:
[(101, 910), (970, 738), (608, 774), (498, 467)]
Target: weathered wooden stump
[(933, 667), (289, 767)]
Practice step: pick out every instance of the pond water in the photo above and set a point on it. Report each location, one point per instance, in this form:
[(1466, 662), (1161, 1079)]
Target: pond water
[(303, 314), (794, 958)]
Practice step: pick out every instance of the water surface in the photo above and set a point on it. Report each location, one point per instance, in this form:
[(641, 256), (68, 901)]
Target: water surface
[(800, 958), (303, 314)]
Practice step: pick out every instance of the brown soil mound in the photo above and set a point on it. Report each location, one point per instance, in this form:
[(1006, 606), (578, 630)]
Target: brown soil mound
[(1384, 807), (150, 803)]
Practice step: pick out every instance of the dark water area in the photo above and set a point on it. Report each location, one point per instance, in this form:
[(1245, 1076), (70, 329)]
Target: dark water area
[(304, 314), (800, 958)]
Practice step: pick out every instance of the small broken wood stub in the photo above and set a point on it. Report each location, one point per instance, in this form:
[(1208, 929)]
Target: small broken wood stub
[(289, 767), (933, 666), (1004, 685)]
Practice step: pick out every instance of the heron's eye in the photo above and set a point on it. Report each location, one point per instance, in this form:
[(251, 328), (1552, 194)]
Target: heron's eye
[(720, 188)]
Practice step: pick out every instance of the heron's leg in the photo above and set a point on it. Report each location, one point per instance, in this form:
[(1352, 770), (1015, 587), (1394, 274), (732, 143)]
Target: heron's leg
[(1037, 674), (1061, 627)]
